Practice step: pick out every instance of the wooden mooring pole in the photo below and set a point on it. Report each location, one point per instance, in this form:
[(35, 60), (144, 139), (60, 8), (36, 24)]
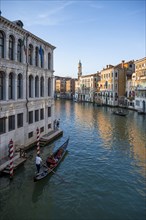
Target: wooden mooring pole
[(11, 153), (38, 141)]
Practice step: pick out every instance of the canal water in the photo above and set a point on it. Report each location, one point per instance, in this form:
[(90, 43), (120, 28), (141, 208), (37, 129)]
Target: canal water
[(103, 175)]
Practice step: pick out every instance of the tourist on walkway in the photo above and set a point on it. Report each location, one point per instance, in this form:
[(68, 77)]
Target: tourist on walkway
[(58, 121)]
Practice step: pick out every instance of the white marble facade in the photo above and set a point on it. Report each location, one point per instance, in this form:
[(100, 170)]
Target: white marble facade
[(26, 86)]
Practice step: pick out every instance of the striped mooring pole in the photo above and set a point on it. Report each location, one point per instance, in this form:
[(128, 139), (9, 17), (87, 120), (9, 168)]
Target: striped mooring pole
[(11, 158), (38, 141)]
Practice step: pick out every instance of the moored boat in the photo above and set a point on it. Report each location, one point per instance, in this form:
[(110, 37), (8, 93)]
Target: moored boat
[(119, 112), (140, 112), (50, 165)]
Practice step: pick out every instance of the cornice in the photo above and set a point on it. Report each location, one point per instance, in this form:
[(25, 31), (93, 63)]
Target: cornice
[(24, 32), (140, 60), (11, 25)]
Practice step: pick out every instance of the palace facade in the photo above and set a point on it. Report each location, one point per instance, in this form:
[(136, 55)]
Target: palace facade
[(26, 85)]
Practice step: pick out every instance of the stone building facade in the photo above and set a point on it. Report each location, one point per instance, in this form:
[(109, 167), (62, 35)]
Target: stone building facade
[(70, 88), (26, 85), (140, 85), (64, 87), (86, 87), (113, 82)]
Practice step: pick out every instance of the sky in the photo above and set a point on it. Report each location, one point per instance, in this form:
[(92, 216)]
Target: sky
[(97, 33)]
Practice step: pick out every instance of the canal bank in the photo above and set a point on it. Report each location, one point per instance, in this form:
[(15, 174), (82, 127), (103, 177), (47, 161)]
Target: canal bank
[(20, 155)]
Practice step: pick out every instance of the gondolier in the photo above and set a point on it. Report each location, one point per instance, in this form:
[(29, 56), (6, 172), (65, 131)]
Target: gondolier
[(48, 168), (38, 161)]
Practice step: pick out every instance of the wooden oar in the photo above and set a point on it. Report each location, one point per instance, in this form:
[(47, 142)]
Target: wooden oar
[(55, 173)]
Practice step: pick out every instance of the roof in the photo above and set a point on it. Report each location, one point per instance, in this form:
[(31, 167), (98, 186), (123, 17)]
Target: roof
[(19, 25)]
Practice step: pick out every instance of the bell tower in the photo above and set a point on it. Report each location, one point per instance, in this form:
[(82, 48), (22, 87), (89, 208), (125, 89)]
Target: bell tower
[(79, 69)]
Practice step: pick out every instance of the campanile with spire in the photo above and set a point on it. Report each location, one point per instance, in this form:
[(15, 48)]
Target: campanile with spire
[(79, 69)]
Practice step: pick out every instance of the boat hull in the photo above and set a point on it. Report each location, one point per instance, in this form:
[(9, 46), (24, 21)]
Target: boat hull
[(48, 170), (119, 113)]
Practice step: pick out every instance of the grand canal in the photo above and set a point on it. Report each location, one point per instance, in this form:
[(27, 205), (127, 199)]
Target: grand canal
[(104, 170)]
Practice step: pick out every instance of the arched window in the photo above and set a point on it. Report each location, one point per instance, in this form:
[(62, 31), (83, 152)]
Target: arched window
[(41, 51), (42, 87), (49, 87), (11, 86), (36, 56), (2, 85), (19, 86), (36, 86), (19, 50), (1, 45), (30, 86), (30, 54), (49, 61), (11, 47)]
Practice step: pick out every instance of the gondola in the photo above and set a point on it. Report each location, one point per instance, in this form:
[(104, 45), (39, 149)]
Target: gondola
[(49, 168), (119, 112)]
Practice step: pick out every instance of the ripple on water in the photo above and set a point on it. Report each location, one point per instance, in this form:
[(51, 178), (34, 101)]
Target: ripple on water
[(104, 169)]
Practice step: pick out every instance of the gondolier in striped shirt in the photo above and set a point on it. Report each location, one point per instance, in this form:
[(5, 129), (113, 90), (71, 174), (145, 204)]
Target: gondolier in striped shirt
[(38, 162)]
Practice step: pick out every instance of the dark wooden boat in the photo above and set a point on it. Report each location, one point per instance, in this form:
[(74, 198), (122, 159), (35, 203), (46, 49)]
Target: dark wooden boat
[(49, 168), (119, 112), (140, 112)]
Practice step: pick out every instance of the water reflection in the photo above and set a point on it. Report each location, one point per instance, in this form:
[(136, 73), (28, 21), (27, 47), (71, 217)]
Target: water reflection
[(127, 134), (39, 189), (105, 168)]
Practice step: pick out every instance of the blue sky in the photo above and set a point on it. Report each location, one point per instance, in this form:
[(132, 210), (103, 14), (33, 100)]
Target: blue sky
[(96, 32)]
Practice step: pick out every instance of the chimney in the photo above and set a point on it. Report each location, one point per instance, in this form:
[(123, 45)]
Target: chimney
[(123, 61)]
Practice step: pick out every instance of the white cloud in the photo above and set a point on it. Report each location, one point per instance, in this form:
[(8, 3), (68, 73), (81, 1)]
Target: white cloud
[(57, 9), (52, 16)]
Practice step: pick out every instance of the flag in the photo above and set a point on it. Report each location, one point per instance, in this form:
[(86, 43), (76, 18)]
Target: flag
[(41, 54)]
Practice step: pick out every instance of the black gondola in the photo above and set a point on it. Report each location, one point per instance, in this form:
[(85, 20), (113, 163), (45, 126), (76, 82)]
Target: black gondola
[(50, 167), (119, 112)]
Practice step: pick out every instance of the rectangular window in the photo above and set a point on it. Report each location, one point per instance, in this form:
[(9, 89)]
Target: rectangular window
[(49, 112), (2, 125), (31, 117), (11, 121), (30, 134), (36, 115), (42, 114), (49, 126), (41, 129), (137, 103), (20, 120)]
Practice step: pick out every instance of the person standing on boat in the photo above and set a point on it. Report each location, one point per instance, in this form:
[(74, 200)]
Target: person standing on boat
[(38, 162)]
